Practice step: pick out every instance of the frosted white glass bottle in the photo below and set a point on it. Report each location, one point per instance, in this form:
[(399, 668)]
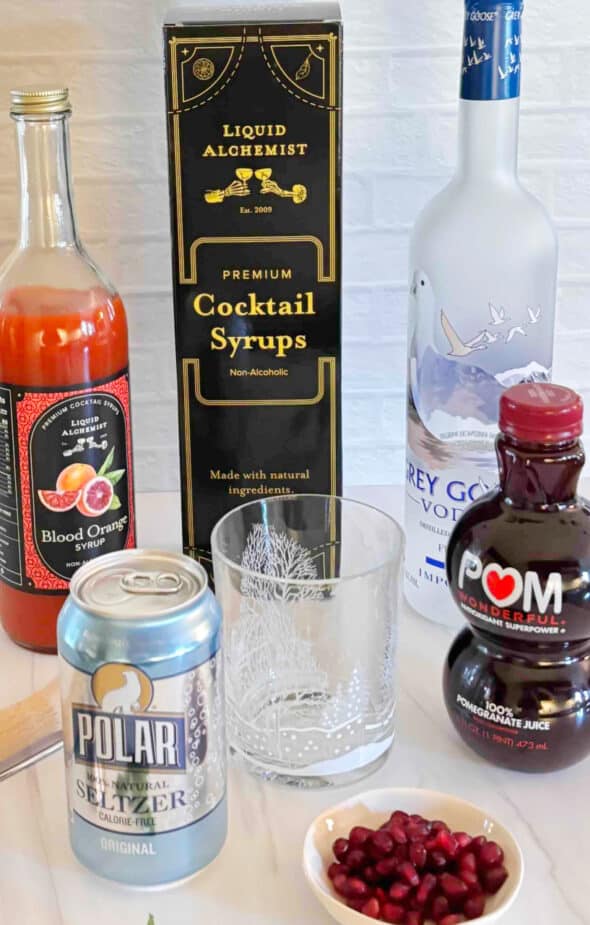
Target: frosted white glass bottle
[(483, 272)]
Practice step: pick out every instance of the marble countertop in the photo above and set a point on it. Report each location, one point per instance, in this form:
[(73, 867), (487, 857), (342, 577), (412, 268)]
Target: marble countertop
[(257, 880)]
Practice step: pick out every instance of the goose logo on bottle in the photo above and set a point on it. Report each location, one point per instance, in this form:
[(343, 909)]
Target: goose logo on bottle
[(479, 16)]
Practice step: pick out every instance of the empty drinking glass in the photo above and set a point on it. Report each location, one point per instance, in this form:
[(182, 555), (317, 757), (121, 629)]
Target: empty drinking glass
[(309, 586)]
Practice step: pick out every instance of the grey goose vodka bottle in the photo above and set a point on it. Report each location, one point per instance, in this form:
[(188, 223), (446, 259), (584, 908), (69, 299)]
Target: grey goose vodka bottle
[(483, 270)]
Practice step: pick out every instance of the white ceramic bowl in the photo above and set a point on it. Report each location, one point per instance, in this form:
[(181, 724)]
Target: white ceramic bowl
[(372, 809)]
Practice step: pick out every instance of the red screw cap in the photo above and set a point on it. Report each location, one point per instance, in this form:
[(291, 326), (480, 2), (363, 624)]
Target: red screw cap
[(538, 412)]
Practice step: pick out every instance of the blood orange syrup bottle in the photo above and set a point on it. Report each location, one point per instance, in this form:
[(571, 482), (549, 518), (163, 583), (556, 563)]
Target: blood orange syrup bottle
[(517, 682), (66, 484)]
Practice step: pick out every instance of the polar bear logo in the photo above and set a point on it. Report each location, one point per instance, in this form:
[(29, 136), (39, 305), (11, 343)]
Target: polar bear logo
[(124, 699), (118, 687)]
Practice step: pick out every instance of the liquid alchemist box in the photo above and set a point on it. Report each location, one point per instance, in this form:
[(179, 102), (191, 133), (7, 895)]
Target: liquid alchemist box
[(254, 140)]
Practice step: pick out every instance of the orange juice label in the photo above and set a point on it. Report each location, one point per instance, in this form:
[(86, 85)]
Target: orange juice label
[(66, 492)]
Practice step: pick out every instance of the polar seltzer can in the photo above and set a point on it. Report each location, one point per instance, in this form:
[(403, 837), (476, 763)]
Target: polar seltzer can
[(143, 715)]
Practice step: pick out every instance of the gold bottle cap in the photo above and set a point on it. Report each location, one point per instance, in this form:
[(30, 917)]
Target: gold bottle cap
[(38, 101)]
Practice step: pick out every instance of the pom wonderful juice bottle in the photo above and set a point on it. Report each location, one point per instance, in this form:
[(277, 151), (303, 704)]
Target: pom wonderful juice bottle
[(66, 491), (517, 682)]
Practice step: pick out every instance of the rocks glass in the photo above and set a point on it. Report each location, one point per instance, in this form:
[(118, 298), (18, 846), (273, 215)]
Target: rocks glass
[(309, 589)]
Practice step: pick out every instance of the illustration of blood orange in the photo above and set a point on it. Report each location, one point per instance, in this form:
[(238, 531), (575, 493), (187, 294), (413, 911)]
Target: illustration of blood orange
[(59, 501), (74, 477), (96, 497)]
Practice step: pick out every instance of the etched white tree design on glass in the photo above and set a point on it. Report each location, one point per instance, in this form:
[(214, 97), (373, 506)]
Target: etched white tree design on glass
[(287, 700), (273, 558), (272, 662)]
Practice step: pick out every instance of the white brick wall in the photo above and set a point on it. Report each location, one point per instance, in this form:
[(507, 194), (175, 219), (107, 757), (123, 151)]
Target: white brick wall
[(401, 88)]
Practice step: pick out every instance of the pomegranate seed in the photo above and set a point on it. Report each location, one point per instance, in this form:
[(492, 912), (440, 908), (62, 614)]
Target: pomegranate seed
[(491, 855), (409, 873), (417, 831), (438, 826), (453, 888), (425, 889), (468, 862), (446, 843), (380, 845), (398, 834), (440, 907), (372, 908), (463, 840), (401, 853), (356, 888), (356, 859), (478, 843), (359, 835), (494, 878), (471, 881), (437, 860), (474, 906), (340, 848), (335, 869), (340, 883), (370, 875), (393, 913), (414, 917), (399, 817), (356, 904), (416, 817), (381, 895), (452, 920), (418, 855), (387, 867), (399, 891)]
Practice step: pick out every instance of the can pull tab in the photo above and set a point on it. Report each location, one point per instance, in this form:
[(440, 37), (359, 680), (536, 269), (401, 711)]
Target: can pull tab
[(151, 583)]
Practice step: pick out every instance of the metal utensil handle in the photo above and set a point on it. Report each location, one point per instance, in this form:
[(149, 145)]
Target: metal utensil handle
[(36, 752)]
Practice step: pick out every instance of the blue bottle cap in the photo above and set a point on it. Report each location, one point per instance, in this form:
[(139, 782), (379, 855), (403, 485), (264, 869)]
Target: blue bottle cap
[(491, 50)]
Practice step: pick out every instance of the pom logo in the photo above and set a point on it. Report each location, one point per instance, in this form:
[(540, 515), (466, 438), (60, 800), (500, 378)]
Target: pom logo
[(505, 586)]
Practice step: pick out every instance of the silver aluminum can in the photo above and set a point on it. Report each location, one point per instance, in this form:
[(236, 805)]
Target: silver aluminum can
[(139, 641)]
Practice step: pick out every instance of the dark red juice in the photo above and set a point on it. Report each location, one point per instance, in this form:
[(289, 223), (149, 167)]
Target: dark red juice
[(517, 682)]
